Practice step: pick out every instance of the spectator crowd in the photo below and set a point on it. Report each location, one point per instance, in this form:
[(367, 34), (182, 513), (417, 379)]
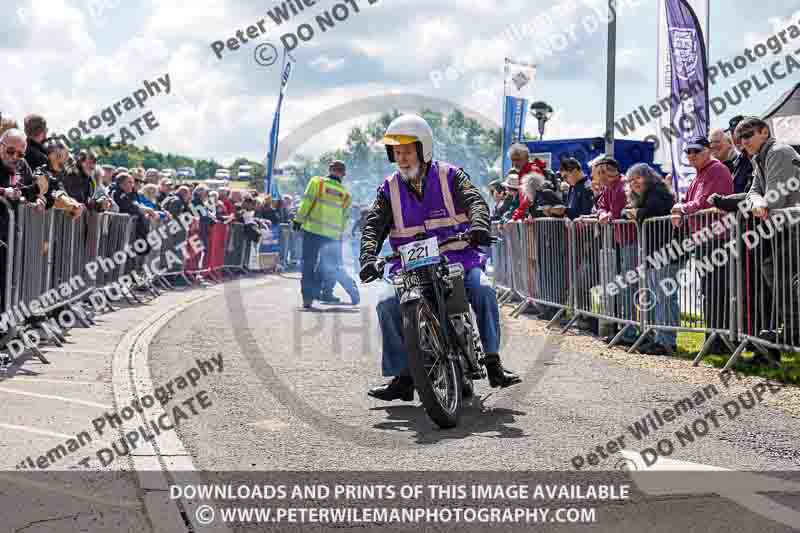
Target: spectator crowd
[(741, 169), (40, 169)]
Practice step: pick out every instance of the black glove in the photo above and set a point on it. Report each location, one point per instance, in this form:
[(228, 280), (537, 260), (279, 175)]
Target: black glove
[(369, 272), (712, 199), (297, 225), (480, 237)]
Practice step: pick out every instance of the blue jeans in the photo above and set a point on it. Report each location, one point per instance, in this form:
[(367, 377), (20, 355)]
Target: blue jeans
[(666, 311), (331, 270), (355, 250), (484, 302), (312, 277)]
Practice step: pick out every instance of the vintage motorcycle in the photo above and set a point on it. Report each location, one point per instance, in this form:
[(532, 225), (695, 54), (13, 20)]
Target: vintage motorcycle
[(445, 353)]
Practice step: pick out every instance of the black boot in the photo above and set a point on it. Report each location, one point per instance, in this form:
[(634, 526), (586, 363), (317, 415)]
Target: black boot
[(498, 376), (400, 388)]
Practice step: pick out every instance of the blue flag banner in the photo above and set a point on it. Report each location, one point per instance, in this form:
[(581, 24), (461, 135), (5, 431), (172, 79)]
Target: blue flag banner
[(685, 79), (517, 91), (516, 109), (273, 134)]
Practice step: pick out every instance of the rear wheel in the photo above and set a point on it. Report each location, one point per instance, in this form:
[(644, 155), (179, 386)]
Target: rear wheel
[(437, 378)]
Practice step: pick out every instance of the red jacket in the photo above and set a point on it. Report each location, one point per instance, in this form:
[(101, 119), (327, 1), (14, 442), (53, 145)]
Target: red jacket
[(714, 177), (521, 212), (612, 201)]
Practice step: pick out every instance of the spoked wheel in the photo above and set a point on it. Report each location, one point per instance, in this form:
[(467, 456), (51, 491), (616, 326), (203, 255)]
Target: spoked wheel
[(437, 378)]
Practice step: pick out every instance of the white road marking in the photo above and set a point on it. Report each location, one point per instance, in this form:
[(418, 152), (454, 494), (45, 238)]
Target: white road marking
[(742, 487), (669, 465), (52, 397), (37, 431), (53, 381), (70, 350), (270, 424)]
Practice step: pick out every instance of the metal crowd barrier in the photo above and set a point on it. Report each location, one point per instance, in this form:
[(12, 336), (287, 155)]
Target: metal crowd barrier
[(46, 258), (67, 247), (589, 260), (284, 243), (736, 280), (690, 275), (545, 272), (768, 283), (140, 268), (171, 258), (115, 230), (509, 249), (235, 248), (196, 263), (605, 267)]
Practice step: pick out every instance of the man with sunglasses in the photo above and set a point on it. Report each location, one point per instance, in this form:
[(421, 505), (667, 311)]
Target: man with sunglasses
[(776, 183), (16, 177), (773, 166), (16, 180), (14, 171), (713, 178)]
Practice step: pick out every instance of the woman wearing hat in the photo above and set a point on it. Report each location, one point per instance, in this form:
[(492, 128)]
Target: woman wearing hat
[(511, 204)]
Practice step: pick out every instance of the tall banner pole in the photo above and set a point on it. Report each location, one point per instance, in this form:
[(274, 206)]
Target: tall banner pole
[(286, 72), (515, 107), (505, 165), (611, 78), (683, 82)]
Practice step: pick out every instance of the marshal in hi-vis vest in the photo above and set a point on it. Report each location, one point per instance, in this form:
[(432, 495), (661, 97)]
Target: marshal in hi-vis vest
[(436, 215), (325, 208)]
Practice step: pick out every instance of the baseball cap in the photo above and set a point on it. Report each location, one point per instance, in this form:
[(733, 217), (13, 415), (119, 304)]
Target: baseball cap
[(570, 163), (512, 180), (605, 160), (735, 122), (698, 143), (52, 144)]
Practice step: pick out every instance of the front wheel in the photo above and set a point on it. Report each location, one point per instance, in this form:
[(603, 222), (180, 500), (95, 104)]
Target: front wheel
[(437, 378)]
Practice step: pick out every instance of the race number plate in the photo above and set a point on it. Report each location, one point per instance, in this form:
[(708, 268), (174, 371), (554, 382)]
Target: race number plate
[(419, 254)]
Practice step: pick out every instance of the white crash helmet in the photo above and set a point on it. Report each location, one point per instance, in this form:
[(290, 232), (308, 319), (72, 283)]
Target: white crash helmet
[(409, 129)]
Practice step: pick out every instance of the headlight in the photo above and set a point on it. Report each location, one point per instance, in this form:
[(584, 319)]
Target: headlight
[(455, 270)]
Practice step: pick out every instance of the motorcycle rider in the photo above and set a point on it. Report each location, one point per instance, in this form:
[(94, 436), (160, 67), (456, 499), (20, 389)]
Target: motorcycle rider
[(434, 197)]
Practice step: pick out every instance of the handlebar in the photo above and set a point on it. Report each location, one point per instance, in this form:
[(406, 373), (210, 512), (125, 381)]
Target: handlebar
[(461, 237)]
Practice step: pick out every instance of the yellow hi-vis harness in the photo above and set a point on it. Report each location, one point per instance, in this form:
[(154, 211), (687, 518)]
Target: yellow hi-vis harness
[(325, 208)]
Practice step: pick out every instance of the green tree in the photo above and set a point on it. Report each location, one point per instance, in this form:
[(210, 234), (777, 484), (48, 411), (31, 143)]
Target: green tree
[(457, 139)]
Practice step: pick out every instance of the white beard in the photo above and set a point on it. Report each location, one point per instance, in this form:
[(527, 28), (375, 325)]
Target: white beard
[(412, 175)]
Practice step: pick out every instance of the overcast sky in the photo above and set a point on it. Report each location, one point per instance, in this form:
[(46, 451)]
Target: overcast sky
[(70, 59)]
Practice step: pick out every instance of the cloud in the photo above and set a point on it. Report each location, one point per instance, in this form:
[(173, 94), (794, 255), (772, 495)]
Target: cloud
[(67, 66), (325, 64)]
